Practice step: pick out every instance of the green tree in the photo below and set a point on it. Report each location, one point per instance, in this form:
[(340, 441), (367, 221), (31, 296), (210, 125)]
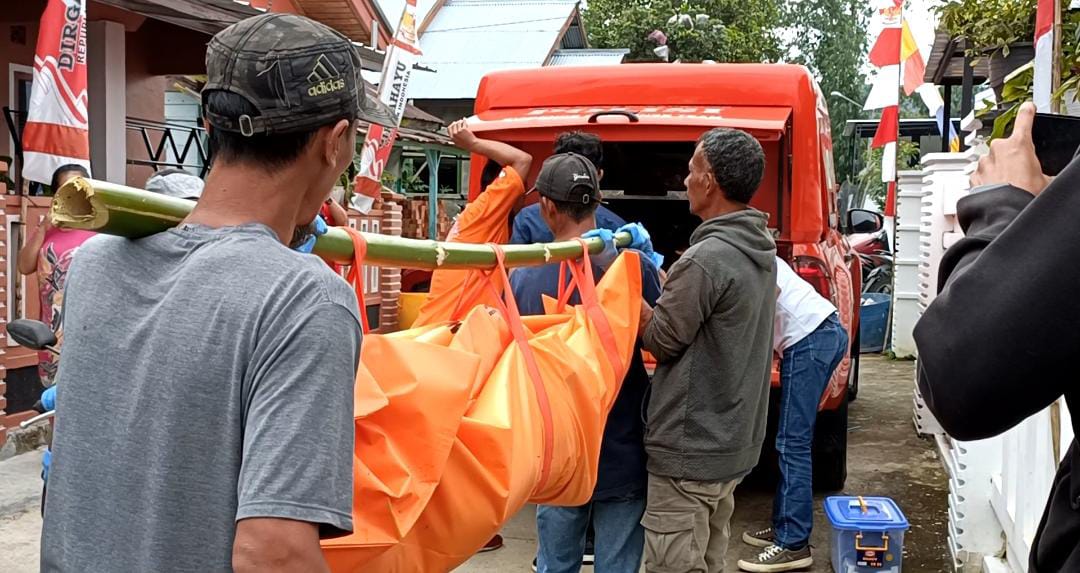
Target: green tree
[(829, 37), (696, 30), (870, 185)]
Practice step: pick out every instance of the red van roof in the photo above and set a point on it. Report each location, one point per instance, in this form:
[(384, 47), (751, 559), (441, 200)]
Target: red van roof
[(765, 122), (756, 97)]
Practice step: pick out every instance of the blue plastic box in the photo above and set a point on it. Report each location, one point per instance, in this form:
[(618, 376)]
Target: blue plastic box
[(867, 534), (873, 321)]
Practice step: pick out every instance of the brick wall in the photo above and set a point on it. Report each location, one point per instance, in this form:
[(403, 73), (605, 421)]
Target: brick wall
[(390, 278)]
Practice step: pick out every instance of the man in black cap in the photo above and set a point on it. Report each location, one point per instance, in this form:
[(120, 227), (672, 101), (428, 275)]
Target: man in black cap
[(569, 195), (233, 450)]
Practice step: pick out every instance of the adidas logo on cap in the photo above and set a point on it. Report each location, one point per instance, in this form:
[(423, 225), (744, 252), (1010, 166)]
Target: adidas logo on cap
[(326, 87), (325, 77)]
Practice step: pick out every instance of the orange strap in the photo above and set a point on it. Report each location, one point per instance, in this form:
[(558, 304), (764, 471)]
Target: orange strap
[(508, 306), (582, 279), (472, 288), (356, 273)]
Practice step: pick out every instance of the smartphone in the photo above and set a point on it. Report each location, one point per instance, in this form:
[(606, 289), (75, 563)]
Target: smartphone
[(1057, 139)]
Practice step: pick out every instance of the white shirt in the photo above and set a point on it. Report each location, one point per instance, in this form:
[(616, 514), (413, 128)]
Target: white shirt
[(799, 308)]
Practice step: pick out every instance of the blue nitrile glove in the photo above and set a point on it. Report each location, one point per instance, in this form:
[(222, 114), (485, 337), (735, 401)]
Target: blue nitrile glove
[(642, 241), (320, 229), (607, 256), (48, 398)]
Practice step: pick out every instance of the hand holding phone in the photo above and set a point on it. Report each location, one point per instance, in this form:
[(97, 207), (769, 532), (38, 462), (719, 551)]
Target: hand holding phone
[(1056, 139)]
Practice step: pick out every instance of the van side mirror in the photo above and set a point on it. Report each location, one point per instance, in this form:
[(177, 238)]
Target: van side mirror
[(863, 221), (31, 334)]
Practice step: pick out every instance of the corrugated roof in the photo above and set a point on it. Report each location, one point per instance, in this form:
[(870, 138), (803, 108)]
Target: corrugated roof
[(587, 57), (470, 38)]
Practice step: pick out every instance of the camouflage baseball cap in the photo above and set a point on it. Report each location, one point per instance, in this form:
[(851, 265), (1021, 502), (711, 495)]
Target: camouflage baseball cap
[(298, 73)]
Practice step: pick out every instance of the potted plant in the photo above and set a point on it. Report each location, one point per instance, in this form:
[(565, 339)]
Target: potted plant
[(999, 30), (1017, 87)]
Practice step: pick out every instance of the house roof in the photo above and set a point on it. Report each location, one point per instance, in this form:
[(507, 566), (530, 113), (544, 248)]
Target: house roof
[(590, 57), (212, 16), (466, 39)]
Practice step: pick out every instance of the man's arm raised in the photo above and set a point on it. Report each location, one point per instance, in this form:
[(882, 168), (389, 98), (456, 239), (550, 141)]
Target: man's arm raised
[(497, 151)]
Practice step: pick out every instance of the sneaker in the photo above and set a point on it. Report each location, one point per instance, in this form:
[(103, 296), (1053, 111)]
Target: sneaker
[(534, 565), (775, 558), (493, 544), (764, 538)]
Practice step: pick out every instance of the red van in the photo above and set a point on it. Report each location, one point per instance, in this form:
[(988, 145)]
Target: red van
[(649, 117)]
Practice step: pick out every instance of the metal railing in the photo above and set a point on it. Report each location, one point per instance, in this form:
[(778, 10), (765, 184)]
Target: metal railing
[(166, 145), (171, 145)]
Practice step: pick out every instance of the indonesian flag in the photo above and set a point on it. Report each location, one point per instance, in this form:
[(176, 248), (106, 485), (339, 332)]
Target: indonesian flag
[(56, 130), (1044, 54), (397, 68), (887, 54)]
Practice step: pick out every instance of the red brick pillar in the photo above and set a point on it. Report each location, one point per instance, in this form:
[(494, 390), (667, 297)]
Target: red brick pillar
[(390, 278)]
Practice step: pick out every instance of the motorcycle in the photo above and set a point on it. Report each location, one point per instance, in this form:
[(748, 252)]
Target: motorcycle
[(875, 260), (36, 335)]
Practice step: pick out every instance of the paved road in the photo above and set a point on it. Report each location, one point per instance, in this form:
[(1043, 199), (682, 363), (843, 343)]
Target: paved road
[(20, 517), (885, 458)]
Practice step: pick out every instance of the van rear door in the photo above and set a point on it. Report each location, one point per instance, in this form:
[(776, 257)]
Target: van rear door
[(647, 149)]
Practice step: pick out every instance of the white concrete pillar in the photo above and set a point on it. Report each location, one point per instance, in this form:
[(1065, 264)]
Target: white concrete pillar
[(107, 79), (905, 310)]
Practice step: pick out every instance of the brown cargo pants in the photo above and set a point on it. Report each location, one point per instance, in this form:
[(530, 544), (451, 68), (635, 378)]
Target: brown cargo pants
[(687, 525)]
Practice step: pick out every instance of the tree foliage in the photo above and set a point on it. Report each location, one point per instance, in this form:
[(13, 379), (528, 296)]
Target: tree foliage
[(696, 30), (870, 185), (829, 37)]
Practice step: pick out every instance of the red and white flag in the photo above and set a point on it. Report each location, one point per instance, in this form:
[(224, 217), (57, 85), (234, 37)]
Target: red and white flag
[(1044, 54), (885, 54), (397, 68), (57, 129)]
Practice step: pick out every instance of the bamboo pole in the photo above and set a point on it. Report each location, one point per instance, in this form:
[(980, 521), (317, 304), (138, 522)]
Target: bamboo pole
[(128, 212)]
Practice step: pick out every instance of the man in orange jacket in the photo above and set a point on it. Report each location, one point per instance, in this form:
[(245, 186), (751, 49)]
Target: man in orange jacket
[(485, 220)]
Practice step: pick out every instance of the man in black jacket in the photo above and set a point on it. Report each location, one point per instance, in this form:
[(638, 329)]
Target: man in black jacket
[(997, 344)]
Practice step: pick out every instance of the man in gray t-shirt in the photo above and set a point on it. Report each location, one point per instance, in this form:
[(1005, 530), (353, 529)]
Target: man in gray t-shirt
[(205, 418)]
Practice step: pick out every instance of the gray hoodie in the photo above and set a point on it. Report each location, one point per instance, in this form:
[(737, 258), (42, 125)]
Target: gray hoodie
[(711, 334)]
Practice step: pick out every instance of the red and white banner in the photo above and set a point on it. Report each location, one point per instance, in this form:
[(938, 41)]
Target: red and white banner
[(57, 129), (397, 68), (1044, 54)]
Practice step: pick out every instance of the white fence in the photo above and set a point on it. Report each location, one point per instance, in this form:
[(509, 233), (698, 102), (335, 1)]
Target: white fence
[(997, 487), (905, 305)]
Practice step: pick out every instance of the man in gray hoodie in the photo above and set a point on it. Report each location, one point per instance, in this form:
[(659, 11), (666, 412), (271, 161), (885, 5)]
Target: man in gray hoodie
[(711, 333)]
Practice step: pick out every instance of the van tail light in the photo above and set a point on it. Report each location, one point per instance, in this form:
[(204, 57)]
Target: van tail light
[(814, 272)]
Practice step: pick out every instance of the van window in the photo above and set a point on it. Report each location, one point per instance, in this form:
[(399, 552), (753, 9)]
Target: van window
[(644, 182), (660, 168), (646, 168)]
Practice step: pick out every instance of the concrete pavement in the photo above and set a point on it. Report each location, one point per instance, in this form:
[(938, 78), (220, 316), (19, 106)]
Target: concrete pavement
[(20, 512)]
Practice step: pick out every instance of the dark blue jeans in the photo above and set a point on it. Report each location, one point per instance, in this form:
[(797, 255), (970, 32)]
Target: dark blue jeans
[(804, 374), (620, 539)]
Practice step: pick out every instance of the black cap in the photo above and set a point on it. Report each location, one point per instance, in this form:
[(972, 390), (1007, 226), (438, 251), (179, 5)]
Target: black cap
[(298, 73), (570, 178)]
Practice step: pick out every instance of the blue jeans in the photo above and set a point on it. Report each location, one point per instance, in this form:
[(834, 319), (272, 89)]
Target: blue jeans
[(620, 539), (804, 374)]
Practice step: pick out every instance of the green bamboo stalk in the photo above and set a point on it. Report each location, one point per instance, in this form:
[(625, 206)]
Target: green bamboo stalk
[(128, 212)]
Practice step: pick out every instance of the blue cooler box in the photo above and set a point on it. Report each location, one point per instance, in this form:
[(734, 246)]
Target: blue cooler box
[(867, 534)]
